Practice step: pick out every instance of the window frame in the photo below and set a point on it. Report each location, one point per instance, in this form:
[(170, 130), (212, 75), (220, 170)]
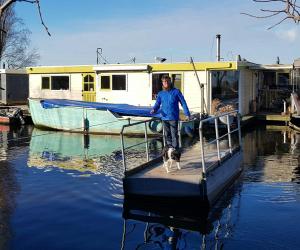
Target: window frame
[(89, 82), (50, 82), (105, 89), (42, 83), (111, 81), (170, 75)]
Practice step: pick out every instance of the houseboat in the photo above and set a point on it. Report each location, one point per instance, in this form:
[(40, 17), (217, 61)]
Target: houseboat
[(138, 84)]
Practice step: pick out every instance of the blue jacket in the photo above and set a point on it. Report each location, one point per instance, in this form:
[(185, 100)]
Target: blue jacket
[(168, 101)]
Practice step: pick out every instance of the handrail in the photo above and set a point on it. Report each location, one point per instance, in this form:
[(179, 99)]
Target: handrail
[(218, 138), (145, 141)]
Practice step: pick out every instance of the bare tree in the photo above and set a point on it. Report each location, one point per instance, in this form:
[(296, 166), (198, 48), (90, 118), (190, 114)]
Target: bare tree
[(15, 42), (290, 11), (15, 37)]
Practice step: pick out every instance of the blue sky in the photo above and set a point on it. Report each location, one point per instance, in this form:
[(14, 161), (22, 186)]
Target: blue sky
[(174, 29)]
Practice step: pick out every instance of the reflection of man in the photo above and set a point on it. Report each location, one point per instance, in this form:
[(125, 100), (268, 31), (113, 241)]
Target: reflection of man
[(168, 100)]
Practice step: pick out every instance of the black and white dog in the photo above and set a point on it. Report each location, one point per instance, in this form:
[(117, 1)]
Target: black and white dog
[(170, 155)]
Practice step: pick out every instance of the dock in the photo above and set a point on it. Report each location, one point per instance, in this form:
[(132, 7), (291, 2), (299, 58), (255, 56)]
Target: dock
[(204, 174)]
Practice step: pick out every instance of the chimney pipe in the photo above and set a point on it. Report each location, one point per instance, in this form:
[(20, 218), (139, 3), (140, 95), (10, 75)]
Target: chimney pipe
[(218, 36)]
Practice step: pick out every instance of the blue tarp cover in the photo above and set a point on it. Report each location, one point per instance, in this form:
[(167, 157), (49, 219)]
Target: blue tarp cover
[(121, 109)]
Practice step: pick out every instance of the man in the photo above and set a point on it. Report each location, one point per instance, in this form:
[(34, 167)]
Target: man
[(168, 100)]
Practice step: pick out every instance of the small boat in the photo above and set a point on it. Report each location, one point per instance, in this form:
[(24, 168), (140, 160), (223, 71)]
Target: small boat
[(11, 116), (96, 118)]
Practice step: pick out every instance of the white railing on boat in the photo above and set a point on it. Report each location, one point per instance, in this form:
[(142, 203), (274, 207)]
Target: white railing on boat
[(215, 120), (146, 140)]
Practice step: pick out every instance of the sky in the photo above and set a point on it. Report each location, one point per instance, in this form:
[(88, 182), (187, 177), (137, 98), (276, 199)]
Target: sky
[(144, 29)]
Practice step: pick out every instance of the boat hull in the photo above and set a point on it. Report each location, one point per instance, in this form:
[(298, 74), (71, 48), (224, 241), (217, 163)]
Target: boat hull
[(89, 120)]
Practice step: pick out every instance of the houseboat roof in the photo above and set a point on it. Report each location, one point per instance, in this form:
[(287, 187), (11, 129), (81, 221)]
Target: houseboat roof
[(272, 66), (13, 71), (148, 67), (60, 69)]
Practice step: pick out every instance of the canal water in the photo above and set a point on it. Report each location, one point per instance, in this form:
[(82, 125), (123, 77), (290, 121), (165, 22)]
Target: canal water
[(64, 191)]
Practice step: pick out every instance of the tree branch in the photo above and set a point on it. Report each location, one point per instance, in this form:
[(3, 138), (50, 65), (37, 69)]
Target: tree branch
[(8, 3), (291, 11)]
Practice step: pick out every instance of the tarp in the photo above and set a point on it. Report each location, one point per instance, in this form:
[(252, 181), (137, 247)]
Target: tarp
[(121, 109)]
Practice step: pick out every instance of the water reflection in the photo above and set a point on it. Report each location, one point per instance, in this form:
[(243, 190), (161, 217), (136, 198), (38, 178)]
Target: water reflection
[(9, 187), (272, 154), (96, 154), (170, 224), (78, 213)]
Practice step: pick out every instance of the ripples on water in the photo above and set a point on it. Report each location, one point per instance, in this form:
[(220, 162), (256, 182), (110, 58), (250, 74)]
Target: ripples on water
[(64, 191)]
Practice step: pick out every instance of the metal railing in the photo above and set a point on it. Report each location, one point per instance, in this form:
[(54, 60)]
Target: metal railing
[(146, 140), (218, 138)]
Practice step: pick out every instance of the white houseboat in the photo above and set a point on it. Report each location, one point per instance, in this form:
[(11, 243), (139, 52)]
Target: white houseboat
[(138, 84)]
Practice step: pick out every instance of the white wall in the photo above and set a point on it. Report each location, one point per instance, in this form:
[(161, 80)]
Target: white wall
[(74, 93), (192, 92), (138, 91)]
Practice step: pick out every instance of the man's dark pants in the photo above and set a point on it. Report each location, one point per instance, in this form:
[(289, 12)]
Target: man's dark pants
[(171, 133)]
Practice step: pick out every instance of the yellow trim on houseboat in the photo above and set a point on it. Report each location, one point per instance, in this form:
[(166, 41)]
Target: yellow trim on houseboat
[(58, 69), (189, 67)]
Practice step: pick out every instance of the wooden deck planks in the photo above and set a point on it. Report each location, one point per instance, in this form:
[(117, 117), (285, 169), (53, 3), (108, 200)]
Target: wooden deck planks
[(191, 166)]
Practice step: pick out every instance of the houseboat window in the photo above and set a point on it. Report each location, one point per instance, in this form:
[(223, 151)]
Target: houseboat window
[(283, 80), (156, 85), (88, 83), (59, 82), (45, 82), (119, 82), (225, 84), (177, 81), (105, 82)]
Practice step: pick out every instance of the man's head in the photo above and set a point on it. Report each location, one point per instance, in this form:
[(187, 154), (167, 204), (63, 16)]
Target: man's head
[(166, 82)]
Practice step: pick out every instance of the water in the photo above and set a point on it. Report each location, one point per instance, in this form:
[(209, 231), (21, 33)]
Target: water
[(64, 191)]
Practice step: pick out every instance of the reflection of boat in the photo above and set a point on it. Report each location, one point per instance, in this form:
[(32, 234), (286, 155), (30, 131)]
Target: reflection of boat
[(92, 153), (170, 223), (100, 118)]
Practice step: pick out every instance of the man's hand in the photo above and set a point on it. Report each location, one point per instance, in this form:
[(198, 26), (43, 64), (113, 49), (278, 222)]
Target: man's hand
[(152, 111), (188, 118)]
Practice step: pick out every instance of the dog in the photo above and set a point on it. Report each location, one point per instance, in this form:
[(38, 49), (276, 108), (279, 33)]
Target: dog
[(171, 155)]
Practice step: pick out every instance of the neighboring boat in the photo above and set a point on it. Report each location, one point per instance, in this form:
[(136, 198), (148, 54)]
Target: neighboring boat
[(11, 116), (93, 117)]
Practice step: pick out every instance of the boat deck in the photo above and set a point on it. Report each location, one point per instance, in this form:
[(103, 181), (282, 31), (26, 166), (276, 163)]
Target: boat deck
[(186, 181)]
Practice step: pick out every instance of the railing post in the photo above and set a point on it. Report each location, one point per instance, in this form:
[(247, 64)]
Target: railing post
[(229, 134), (123, 151), (146, 141), (284, 107), (239, 129), (164, 133), (217, 137), (202, 148), (179, 132)]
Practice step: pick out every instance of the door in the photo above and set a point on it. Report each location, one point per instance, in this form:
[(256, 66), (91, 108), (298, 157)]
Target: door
[(88, 87)]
